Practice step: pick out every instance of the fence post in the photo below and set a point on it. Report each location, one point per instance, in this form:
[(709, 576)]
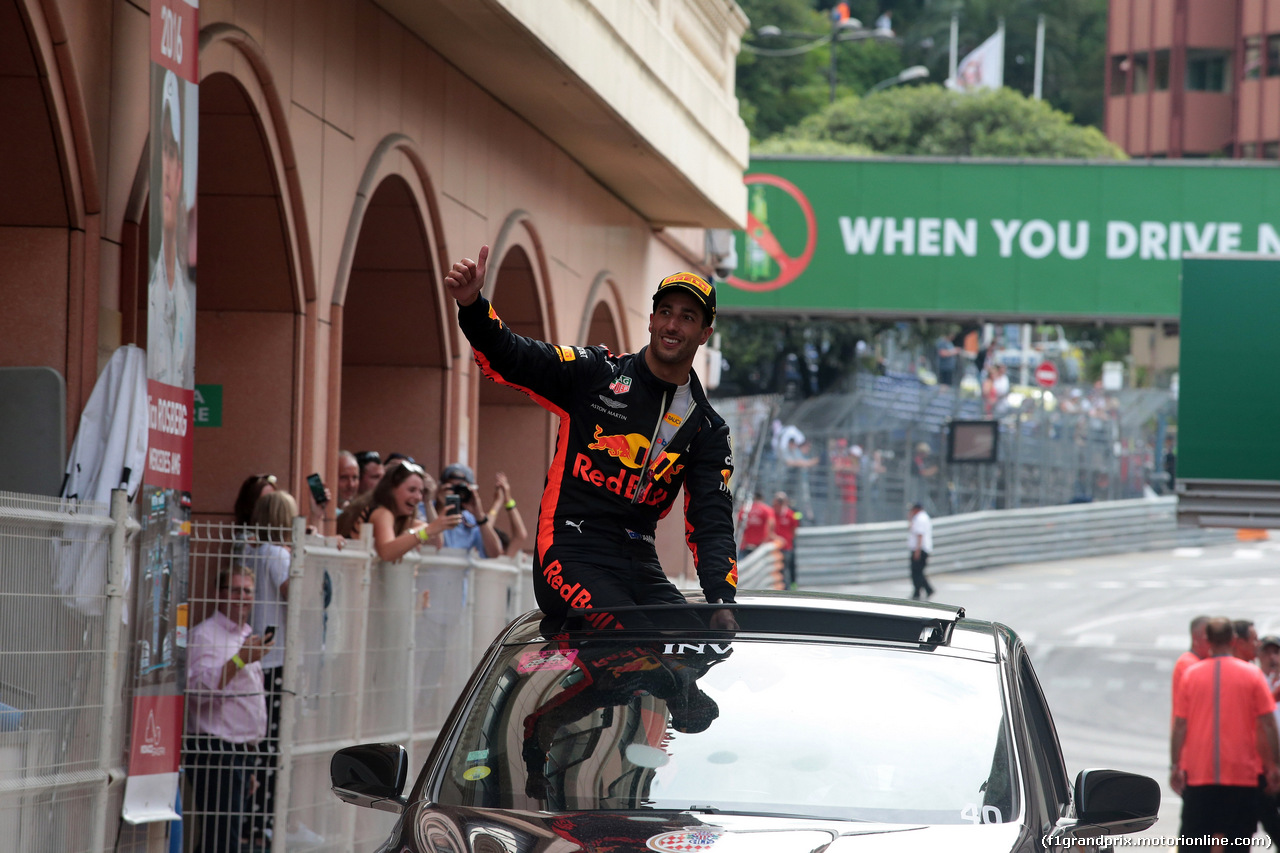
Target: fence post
[(360, 653), (112, 664), (289, 688), (410, 616)]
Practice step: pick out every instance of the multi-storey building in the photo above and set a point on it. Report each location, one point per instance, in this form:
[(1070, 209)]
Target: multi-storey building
[(1194, 78)]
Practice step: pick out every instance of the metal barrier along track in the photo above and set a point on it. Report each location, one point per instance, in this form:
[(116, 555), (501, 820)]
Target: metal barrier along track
[(868, 552)]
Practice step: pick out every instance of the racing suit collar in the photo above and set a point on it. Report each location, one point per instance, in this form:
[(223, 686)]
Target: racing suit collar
[(648, 378)]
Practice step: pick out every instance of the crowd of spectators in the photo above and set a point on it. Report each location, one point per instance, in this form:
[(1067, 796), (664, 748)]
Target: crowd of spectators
[(236, 655)]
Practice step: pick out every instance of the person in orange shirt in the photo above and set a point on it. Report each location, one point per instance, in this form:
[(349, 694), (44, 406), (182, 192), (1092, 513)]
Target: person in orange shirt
[(756, 520), (1245, 645), (1198, 652), (1224, 737)]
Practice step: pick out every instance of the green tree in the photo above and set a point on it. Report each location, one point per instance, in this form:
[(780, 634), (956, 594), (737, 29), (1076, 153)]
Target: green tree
[(776, 91), (781, 79), (933, 121)]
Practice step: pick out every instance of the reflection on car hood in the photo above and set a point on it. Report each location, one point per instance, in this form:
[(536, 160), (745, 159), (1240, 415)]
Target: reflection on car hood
[(463, 830)]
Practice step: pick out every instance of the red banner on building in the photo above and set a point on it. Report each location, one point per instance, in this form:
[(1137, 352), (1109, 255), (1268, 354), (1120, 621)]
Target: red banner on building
[(170, 436), (159, 664), (175, 38), (156, 731)]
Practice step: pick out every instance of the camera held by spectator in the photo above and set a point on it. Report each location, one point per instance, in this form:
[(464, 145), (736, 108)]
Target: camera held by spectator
[(462, 490)]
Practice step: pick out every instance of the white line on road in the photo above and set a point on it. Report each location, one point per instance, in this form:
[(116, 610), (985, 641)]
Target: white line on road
[(1130, 616), (1096, 640)]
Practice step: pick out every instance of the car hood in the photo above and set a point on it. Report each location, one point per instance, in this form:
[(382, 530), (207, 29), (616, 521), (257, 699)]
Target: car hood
[(461, 830)]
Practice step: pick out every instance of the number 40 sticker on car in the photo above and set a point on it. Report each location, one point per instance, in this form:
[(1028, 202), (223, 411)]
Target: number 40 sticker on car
[(986, 814)]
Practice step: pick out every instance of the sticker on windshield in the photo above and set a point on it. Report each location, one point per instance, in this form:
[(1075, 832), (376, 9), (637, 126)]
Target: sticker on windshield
[(475, 774), (535, 661), (986, 814), (684, 841)]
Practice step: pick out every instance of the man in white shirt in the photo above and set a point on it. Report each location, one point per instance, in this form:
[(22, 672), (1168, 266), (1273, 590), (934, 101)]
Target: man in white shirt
[(920, 544)]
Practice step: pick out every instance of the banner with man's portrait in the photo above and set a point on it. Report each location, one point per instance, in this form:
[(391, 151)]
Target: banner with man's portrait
[(158, 660)]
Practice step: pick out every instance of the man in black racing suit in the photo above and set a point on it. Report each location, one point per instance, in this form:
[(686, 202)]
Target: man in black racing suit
[(633, 429)]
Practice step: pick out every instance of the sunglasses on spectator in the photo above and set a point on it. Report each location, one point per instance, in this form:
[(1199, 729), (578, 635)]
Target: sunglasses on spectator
[(407, 468)]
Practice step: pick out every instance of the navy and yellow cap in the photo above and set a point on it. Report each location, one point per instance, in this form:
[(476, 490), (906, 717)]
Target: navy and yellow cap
[(699, 287)]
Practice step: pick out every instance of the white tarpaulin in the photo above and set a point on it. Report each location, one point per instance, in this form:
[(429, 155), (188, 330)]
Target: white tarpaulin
[(109, 452)]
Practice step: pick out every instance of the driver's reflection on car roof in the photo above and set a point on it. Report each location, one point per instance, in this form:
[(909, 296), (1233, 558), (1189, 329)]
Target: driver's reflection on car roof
[(614, 674)]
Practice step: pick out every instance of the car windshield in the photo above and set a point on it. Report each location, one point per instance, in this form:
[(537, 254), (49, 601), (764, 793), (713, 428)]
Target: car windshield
[(753, 726)]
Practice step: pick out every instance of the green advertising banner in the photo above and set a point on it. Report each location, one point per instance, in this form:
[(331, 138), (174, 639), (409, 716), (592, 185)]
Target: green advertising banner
[(991, 239)]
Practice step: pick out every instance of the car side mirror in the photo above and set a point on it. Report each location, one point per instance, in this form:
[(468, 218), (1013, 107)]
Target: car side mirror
[(1121, 802), (371, 775)]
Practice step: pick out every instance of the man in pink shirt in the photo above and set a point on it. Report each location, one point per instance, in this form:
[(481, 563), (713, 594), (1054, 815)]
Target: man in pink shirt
[(1224, 739), (226, 712)]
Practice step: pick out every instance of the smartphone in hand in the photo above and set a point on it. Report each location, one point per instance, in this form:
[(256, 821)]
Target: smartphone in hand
[(317, 489), (452, 504), (268, 633)]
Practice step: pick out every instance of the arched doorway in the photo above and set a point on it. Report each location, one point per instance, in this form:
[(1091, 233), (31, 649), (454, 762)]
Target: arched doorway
[(248, 305), (603, 323), (514, 433), (47, 352), (394, 360)]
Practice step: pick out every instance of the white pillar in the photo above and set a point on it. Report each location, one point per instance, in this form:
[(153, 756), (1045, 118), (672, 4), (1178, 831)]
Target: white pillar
[(1039, 80), (955, 45)]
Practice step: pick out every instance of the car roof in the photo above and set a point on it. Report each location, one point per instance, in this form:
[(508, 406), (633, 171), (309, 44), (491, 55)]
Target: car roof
[(831, 616)]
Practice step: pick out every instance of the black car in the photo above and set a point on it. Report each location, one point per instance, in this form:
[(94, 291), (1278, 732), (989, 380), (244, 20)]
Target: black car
[(824, 723)]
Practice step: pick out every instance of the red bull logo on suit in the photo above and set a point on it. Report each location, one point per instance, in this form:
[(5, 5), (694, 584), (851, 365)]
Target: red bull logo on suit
[(628, 448)]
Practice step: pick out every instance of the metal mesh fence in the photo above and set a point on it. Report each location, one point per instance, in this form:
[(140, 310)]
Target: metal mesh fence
[(366, 651), (228, 775), (872, 452), (60, 730)]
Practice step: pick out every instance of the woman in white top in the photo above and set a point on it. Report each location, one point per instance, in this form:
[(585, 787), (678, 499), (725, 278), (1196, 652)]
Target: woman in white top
[(269, 554)]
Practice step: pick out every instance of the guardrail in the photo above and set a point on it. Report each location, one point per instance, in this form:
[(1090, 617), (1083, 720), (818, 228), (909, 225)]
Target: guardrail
[(855, 553), (761, 569)]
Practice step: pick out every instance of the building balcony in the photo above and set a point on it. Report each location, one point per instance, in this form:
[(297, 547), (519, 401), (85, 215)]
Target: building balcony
[(640, 93)]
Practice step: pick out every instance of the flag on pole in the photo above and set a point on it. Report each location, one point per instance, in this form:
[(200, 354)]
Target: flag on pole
[(983, 68)]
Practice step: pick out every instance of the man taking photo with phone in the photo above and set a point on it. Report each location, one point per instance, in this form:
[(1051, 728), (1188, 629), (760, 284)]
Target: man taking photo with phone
[(458, 493)]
